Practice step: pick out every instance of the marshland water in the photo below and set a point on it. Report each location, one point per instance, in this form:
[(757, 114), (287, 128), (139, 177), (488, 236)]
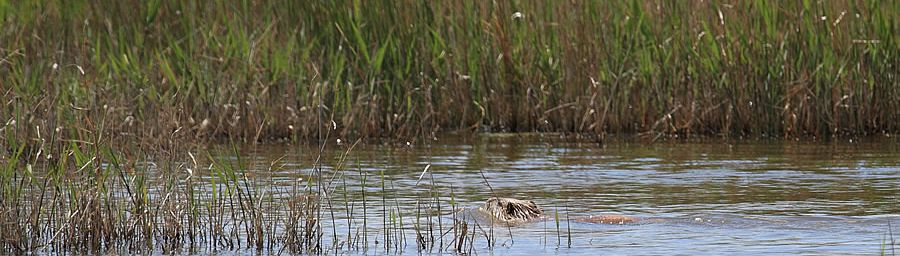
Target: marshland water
[(703, 196), (116, 118)]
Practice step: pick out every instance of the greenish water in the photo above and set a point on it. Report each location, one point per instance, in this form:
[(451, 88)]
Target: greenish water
[(705, 197)]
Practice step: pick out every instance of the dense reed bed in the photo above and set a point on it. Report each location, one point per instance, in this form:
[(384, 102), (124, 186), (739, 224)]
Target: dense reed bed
[(257, 70)]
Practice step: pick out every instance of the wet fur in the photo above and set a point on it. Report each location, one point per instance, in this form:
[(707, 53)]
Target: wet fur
[(511, 210)]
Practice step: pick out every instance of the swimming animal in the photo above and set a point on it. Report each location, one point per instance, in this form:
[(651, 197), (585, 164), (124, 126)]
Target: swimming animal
[(511, 211)]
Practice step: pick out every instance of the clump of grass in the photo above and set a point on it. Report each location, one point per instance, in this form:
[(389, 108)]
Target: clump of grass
[(88, 198)]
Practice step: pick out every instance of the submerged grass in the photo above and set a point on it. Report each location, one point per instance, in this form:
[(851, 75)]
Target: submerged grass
[(85, 197), (254, 70)]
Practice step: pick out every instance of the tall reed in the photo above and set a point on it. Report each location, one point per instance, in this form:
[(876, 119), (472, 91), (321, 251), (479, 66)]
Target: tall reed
[(410, 69)]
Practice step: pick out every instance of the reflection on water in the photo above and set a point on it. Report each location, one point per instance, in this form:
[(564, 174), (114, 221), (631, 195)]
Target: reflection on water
[(773, 197)]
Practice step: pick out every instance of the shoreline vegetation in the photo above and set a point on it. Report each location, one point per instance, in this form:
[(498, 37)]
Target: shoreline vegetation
[(260, 71)]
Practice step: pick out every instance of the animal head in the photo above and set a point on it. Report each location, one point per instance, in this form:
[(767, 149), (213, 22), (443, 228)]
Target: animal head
[(511, 210)]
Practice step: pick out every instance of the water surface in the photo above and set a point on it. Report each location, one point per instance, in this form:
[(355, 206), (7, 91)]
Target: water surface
[(705, 196)]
